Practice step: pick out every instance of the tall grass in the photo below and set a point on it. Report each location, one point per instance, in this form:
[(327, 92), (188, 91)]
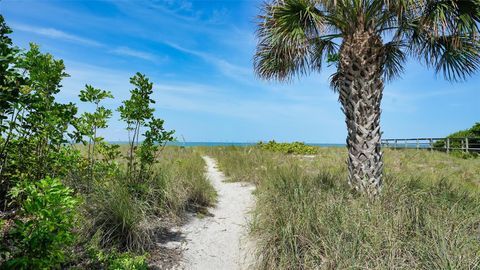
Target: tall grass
[(122, 220), (187, 188), (428, 216), (125, 214), (243, 164)]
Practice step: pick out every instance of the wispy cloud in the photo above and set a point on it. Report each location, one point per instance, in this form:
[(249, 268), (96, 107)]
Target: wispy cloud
[(259, 110), (187, 96), (125, 51), (411, 100), (61, 35), (114, 80), (190, 12), (57, 34), (239, 73), (419, 95), (186, 88), (218, 16)]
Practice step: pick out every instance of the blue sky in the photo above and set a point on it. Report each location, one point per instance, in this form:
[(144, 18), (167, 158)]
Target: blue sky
[(199, 55)]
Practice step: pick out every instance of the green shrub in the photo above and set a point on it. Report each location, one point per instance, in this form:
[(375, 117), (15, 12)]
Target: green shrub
[(298, 148), (99, 258), (40, 236), (464, 155), (127, 261), (124, 212), (472, 133), (126, 196)]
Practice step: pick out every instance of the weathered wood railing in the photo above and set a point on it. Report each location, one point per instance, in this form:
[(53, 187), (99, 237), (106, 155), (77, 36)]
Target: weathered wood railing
[(441, 144)]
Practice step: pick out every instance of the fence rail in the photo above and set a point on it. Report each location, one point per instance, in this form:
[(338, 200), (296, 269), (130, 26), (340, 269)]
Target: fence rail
[(467, 145)]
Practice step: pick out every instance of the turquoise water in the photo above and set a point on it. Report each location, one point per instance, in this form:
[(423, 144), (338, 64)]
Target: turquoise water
[(191, 144)]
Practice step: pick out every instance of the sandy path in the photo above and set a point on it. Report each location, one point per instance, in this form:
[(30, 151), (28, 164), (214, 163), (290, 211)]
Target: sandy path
[(219, 241)]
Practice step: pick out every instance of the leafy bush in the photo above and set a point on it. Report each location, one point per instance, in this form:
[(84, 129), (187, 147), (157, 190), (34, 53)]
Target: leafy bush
[(128, 261), (99, 258), (124, 198), (137, 113), (464, 155), (472, 133), (39, 239), (34, 126), (298, 148), (124, 212), (127, 190)]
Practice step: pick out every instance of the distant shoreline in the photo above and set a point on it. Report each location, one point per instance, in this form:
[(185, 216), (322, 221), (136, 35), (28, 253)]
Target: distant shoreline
[(241, 144)]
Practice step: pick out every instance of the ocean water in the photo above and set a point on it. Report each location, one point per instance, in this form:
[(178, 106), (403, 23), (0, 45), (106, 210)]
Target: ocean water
[(191, 144)]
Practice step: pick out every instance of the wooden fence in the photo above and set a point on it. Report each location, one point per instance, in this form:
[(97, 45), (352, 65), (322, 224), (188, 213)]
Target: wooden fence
[(440, 144)]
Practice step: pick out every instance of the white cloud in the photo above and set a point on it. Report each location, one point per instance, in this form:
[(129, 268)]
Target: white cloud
[(125, 51), (56, 34), (61, 35)]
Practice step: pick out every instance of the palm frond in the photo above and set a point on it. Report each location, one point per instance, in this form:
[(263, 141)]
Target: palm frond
[(321, 49), (335, 80), (294, 34), (458, 62), (285, 34), (394, 60), (445, 36), (456, 57), (454, 18)]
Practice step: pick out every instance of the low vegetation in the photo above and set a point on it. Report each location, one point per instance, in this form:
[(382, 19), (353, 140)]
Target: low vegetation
[(473, 132), (68, 199), (457, 140), (125, 216), (306, 217), (235, 161), (298, 148)]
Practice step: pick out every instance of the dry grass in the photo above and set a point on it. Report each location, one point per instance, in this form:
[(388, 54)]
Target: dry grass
[(125, 213), (428, 216)]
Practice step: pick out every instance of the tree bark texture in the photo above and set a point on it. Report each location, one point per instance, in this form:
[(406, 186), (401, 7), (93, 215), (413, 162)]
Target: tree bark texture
[(360, 87)]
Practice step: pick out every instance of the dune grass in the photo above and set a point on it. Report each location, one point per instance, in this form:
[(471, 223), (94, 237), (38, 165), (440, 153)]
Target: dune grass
[(428, 216), (122, 214)]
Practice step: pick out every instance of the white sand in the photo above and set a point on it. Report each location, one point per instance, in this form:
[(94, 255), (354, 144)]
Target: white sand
[(220, 241)]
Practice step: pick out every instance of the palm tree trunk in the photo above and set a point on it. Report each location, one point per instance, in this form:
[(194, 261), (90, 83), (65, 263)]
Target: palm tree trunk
[(360, 86)]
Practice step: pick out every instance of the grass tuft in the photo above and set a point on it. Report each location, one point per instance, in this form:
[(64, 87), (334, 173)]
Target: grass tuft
[(126, 213)]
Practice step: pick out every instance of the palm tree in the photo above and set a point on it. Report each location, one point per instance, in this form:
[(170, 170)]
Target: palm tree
[(369, 41)]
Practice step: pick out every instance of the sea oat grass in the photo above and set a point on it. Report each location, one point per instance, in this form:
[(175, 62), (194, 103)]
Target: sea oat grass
[(307, 217)]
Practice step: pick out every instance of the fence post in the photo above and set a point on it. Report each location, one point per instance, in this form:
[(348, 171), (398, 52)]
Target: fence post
[(431, 144), (466, 145), (395, 145), (418, 146), (406, 145), (448, 145)]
